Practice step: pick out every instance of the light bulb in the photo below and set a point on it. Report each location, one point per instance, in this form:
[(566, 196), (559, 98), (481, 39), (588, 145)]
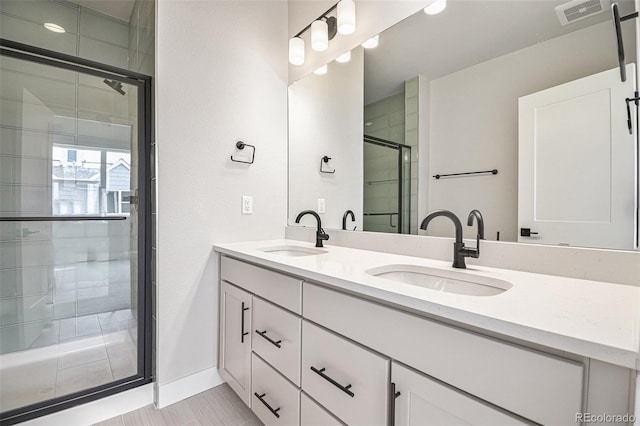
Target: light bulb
[(322, 70), (319, 36), (371, 43), (296, 51), (346, 17), (435, 7), (54, 27), (345, 57)]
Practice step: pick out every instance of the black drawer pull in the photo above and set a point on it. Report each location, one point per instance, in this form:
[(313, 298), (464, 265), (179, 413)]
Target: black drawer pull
[(273, 342), (344, 389), (274, 412)]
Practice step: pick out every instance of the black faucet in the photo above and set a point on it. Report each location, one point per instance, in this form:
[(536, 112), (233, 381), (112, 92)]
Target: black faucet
[(344, 219), (320, 234), (478, 217), (459, 250)]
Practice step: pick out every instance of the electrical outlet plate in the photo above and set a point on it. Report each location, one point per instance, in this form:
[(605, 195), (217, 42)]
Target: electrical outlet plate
[(247, 204), (321, 205)]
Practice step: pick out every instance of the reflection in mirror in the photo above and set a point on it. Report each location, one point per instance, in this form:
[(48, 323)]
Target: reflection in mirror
[(514, 86)]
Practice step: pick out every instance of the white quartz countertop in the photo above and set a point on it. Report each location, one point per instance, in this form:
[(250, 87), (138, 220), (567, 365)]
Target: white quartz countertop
[(589, 318)]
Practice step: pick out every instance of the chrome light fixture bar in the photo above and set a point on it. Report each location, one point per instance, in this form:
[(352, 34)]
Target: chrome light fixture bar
[(323, 29)]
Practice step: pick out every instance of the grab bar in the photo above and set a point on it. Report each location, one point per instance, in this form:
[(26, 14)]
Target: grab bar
[(493, 172), (59, 218)]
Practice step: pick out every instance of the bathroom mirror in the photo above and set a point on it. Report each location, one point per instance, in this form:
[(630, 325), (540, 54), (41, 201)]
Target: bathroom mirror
[(471, 90)]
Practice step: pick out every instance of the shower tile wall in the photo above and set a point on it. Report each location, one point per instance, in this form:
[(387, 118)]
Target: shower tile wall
[(395, 119), (383, 119)]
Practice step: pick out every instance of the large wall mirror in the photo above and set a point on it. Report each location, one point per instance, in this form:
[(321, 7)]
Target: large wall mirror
[(513, 108)]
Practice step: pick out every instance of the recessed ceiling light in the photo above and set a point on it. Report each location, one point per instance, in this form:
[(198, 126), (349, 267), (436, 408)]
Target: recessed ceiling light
[(371, 43), (321, 71), (435, 7), (54, 27), (345, 57)]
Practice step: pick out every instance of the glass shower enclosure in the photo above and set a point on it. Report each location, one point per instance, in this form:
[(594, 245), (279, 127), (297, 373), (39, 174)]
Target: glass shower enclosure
[(74, 231), (387, 186)]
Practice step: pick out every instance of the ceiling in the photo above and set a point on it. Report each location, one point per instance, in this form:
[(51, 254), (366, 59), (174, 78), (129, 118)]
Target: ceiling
[(468, 32), (119, 9)]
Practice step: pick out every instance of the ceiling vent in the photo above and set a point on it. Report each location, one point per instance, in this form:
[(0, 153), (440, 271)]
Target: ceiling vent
[(576, 10)]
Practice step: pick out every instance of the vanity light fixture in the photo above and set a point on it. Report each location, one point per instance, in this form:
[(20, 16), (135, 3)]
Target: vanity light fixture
[(54, 27), (436, 7), (322, 70), (319, 36), (346, 17), (371, 43), (296, 51), (345, 57), (324, 29)]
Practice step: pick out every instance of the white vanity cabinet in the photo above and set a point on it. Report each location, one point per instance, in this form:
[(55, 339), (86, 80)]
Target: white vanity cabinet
[(235, 339), (303, 353)]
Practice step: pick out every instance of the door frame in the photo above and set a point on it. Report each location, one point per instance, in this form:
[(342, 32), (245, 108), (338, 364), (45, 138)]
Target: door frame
[(145, 122)]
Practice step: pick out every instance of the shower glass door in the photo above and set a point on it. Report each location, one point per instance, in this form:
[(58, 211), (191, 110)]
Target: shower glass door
[(387, 186), (73, 231)]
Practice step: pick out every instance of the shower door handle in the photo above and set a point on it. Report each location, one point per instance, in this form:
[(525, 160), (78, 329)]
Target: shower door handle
[(25, 232)]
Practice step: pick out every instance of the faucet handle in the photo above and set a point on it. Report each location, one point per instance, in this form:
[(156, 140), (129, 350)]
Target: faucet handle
[(471, 251), (322, 235)]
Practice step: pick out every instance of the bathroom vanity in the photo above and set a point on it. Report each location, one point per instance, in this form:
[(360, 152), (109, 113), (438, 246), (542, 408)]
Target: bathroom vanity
[(337, 335)]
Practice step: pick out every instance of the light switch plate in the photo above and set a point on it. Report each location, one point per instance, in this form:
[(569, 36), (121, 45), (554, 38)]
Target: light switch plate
[(321, 205)]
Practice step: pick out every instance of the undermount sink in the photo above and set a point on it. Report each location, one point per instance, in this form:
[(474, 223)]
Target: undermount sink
[(292, 250), (442, 280)]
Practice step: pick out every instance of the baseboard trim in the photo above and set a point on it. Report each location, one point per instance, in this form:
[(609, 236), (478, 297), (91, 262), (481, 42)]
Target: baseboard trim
[(186, 387), (99, 410)]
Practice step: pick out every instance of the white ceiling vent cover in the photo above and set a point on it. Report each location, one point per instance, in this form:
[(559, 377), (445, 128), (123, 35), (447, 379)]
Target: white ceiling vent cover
[(576, 10)]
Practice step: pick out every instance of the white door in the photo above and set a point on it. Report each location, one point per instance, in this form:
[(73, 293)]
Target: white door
[(576, 179), (421, 400), (235, 350)]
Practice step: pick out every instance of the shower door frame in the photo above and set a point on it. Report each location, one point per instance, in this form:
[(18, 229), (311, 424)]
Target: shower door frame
[(401, 177), (144, 292)]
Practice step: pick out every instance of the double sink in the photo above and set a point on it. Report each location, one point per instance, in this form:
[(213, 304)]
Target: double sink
[(448, 281)]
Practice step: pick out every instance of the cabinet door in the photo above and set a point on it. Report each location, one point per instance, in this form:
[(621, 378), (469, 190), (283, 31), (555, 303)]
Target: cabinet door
[(421, 400), (235, 339)]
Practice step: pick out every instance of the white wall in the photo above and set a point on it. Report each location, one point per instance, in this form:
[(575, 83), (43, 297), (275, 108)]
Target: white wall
[(474, 124), (325, 118), (221, 77)]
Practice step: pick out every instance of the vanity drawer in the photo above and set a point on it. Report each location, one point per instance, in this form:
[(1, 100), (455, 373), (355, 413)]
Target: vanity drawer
[(281, 289), (347, 379), (276, 338), (312, 414), (540, 387), (273, 399)]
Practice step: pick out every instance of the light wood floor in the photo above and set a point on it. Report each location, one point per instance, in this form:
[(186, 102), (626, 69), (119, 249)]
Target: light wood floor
[(217, 406)]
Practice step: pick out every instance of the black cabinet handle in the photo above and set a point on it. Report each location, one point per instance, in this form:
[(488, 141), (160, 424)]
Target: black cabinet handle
[(344, 389), (274, 412), (394, 395), (242, 332), (273, 342)]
